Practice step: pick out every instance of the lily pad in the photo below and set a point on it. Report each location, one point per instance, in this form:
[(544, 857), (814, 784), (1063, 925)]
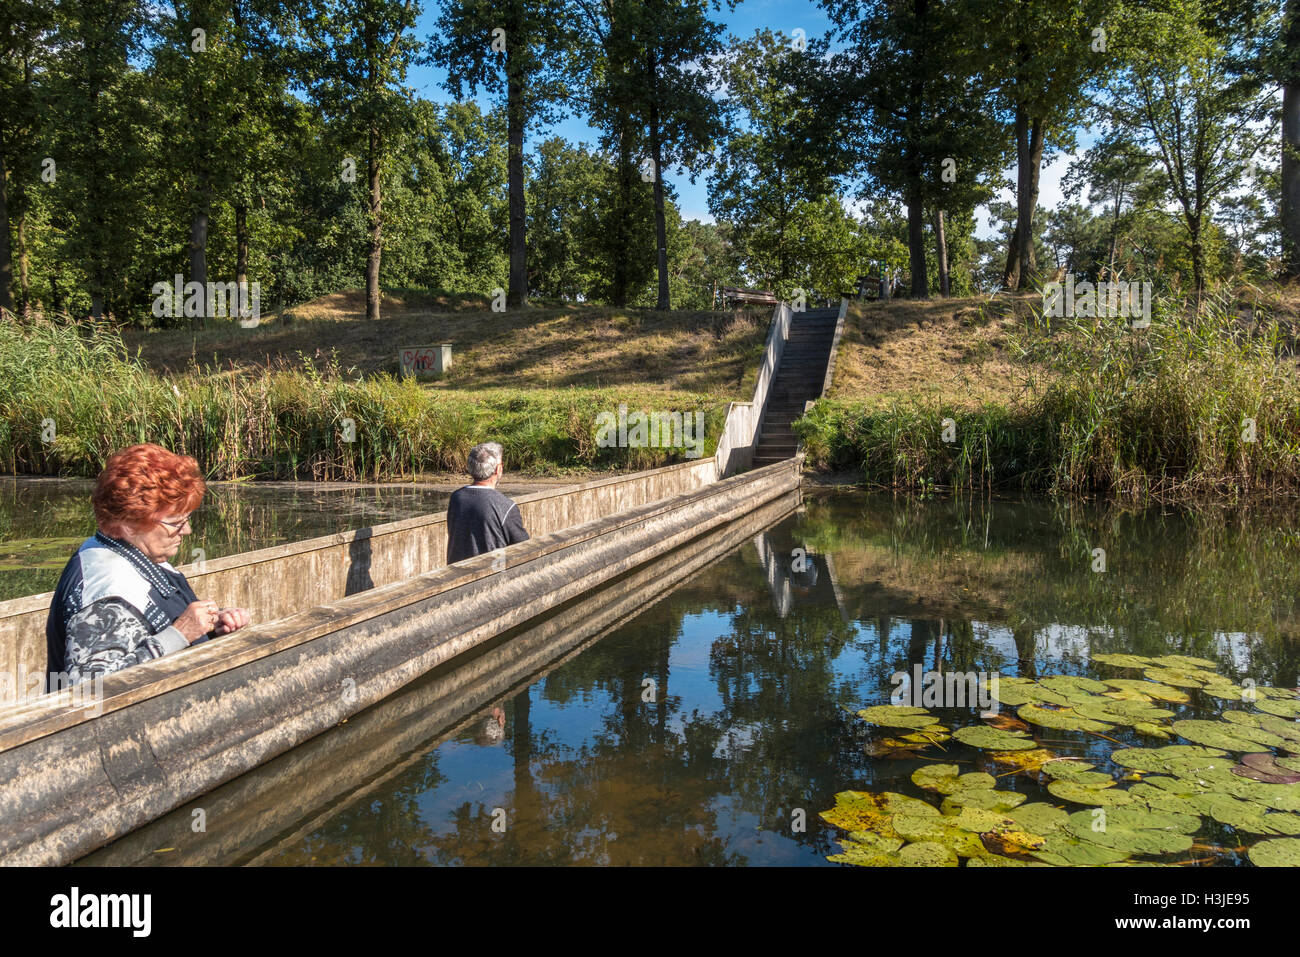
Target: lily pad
[(1282, 852), (1282, 707), (1185, 661), (1136, 831), (1125, 661), (927, 854), (1163, 759), (1179, 679), (1039, 818), (948, 779), (1225, 735), (1065, 719), (1023, 761), (993, 739), (1063, 850), (1070, 684), (986, 799), (897, 716), (865, 811), (1150, 689), (1068, 790)]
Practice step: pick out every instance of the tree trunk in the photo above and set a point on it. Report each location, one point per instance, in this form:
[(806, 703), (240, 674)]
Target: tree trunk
[(376, 226), (1290, 172), (241, 245), (656, 150), (1029, 159), (621, 218), (199, 243), (6, 258), (517, 294), (916, 243), (941, 254), (1011, 272), (24, 281)]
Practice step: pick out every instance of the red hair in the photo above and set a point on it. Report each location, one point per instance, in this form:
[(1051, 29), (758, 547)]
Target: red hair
[(141, 483)]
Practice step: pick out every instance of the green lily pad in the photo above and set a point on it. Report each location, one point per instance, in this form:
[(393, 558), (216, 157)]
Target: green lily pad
[(992, 739), (1030, 692), (1065, 768), (864, 811), (947, 779), (865, 855), (1282, 852), (986, 799), (1068, 790), (1250, 817), (1071, 684), (1282, 707), (1083, 778), (1182, 662), (997, 860), (897, 716), (1063, 850), (1179, 679), (1225, 735), (1039, 818), (1136, 831), (1283, 728), (1108, 709), (1065, 719), (1125, 661), (1163, 759), (1150, 689), (1291, 763), (938, 829), (927, 854)]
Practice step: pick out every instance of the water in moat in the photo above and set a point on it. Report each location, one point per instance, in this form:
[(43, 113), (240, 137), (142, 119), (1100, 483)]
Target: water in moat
[(713, 724)]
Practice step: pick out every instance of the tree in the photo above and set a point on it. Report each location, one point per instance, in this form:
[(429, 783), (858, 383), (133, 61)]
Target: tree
[(521, 47), (25, 35), (1175, 97), (667, 89), (910, 125), (768, 182), (1044, 56), (356, 54)]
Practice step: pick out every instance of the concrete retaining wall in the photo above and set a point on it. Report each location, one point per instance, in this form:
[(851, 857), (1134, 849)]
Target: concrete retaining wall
[(285, 579), (176, 727), (298, 792)]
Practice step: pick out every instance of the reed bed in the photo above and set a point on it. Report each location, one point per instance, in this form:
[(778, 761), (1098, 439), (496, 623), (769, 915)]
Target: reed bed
[(1197, 405), (70, 395)]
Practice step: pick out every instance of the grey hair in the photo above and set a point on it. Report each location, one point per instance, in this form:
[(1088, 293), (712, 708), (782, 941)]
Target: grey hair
[(484, 459)]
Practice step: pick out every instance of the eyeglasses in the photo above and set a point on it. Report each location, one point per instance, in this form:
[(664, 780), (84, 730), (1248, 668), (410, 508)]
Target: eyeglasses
[(176, 526)]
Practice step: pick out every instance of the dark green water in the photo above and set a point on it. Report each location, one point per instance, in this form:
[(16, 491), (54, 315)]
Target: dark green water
[(708, 727), (43, 521)]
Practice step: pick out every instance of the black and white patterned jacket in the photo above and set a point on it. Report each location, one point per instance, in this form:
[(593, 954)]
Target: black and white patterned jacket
[(113, 608)]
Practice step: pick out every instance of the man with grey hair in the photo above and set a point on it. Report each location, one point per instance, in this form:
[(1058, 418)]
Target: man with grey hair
[(479, 518)]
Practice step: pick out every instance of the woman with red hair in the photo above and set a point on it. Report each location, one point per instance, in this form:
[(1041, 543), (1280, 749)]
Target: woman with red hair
[(119, 601)]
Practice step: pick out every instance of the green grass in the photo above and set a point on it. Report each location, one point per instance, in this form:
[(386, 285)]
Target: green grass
[(81, 390)]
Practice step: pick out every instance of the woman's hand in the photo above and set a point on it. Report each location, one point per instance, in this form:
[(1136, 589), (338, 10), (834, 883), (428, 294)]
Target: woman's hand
[(230, 619), (197, 620)]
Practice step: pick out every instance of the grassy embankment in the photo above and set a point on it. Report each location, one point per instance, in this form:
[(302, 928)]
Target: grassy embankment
[(274, 401), (1191, 407)]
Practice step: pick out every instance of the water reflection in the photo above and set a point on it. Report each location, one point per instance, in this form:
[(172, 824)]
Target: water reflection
[(712, 725)]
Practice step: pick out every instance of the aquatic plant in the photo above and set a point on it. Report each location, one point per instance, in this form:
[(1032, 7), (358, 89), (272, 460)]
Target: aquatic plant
[(1228, 774)]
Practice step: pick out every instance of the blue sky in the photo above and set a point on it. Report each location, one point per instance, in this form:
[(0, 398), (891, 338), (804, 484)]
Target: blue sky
[(782, 16)]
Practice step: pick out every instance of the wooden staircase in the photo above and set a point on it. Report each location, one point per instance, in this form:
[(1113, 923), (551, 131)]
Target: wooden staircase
[(799, 377)]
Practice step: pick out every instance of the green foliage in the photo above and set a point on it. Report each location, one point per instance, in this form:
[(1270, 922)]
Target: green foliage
[(292, 421)]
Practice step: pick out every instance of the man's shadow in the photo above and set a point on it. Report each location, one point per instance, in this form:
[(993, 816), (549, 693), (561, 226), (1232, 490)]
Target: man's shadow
[(359, 565)]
